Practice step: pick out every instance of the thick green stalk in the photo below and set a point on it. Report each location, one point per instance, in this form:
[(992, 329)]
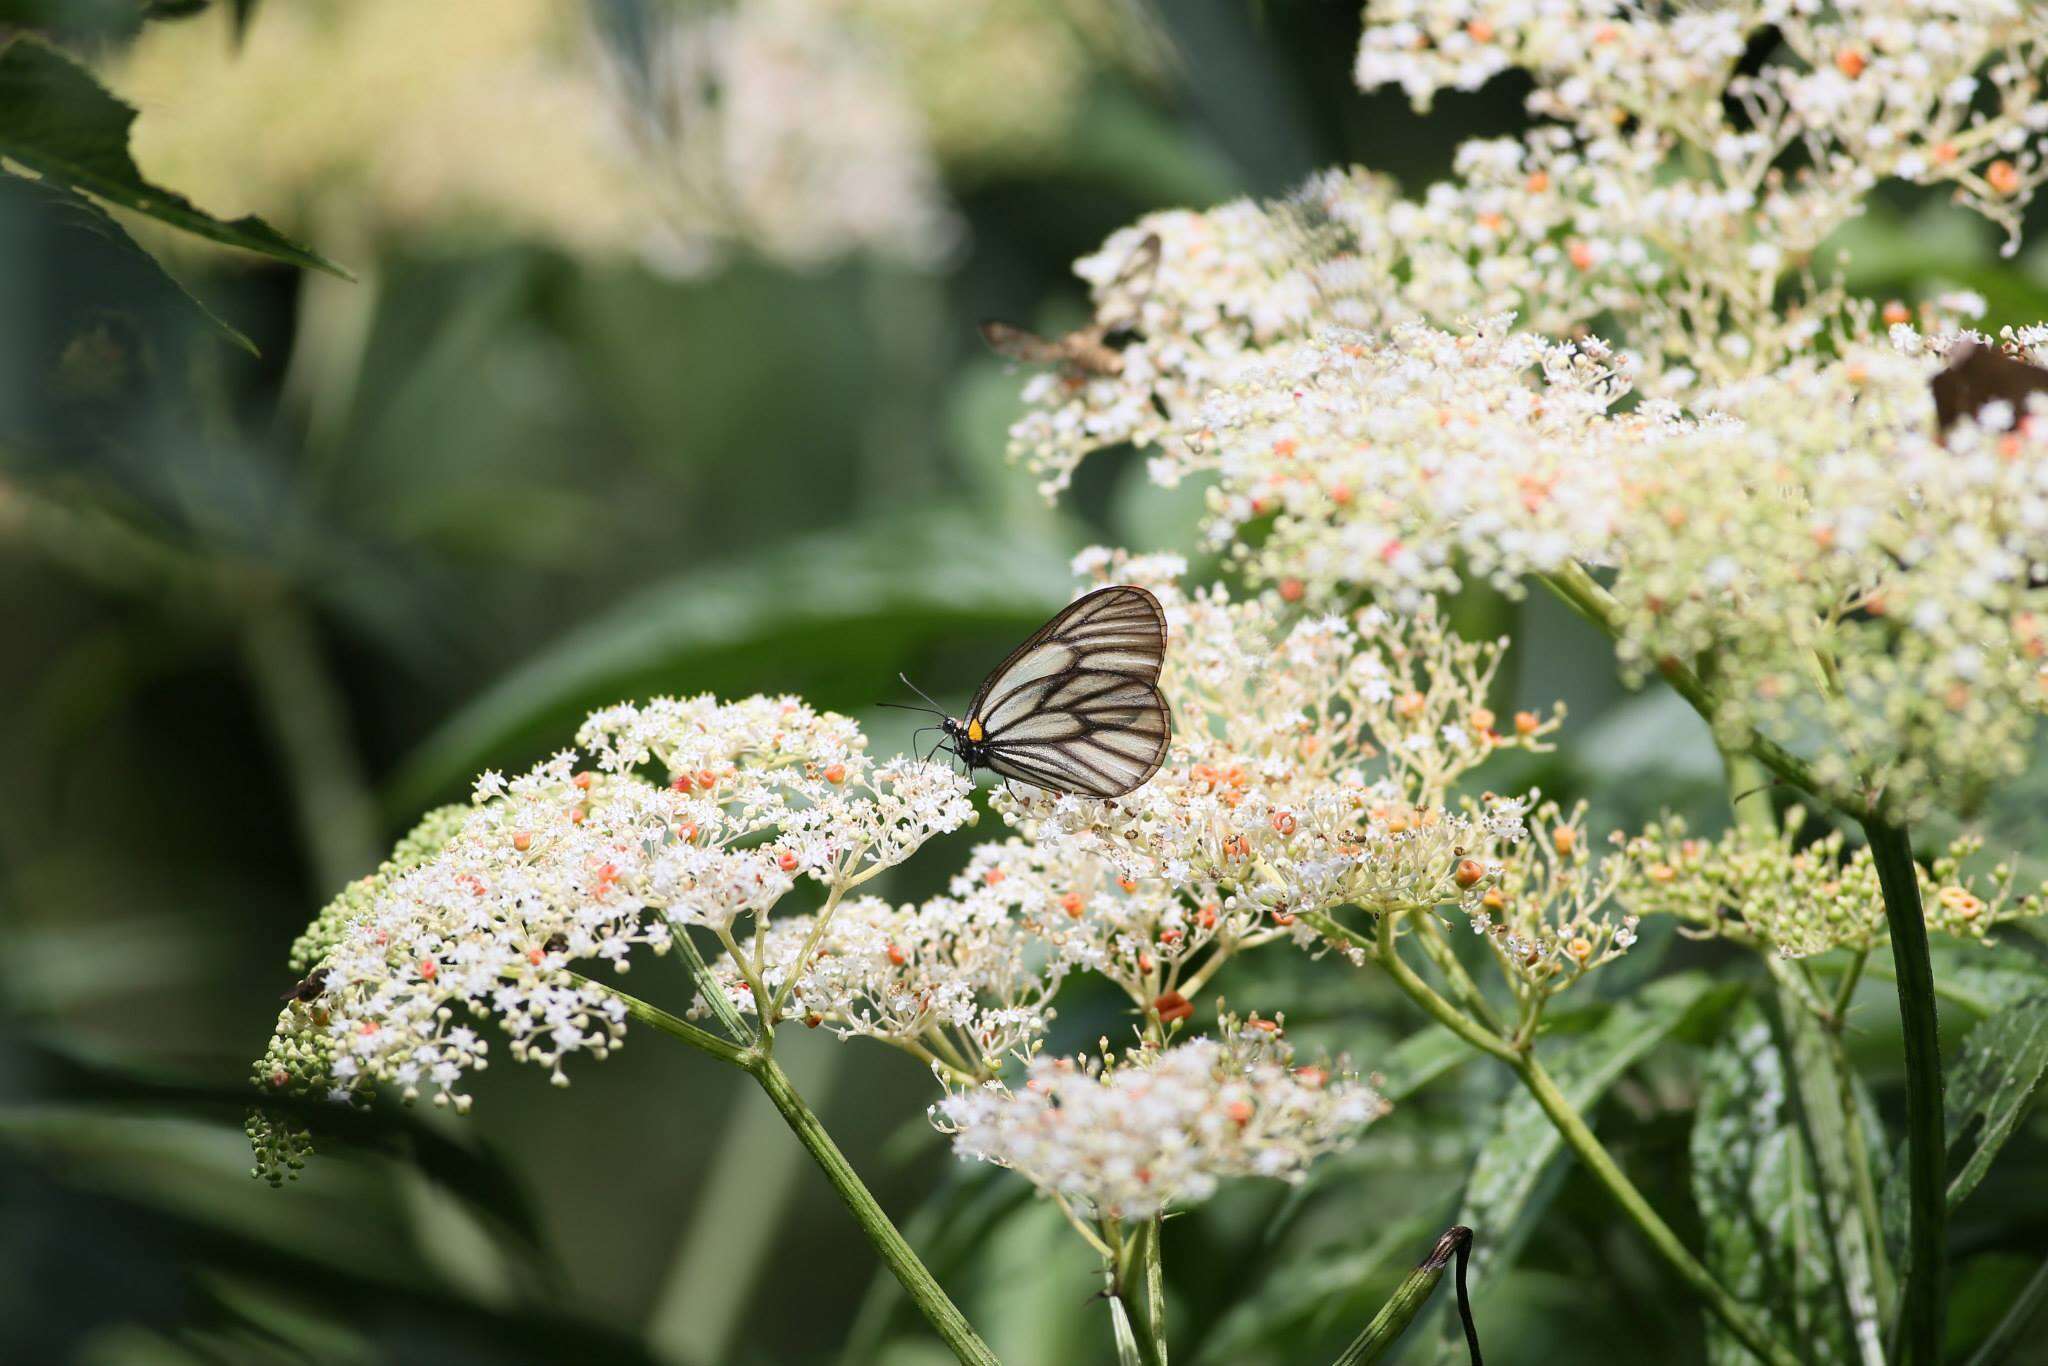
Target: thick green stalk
[(1921, 1311), (923, 1289), (1408, 1298)]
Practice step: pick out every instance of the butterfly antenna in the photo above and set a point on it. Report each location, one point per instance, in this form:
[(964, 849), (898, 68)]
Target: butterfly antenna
[(904, 706), (922, 693)]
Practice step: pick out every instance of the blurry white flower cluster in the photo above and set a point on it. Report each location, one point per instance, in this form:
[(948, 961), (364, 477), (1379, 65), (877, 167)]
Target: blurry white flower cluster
[(1124, 1139), (678, 813)]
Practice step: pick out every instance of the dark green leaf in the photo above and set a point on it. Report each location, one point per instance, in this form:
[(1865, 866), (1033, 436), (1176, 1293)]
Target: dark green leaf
[(824, 610), (1759, 1198), (119, 267), (61, 123)]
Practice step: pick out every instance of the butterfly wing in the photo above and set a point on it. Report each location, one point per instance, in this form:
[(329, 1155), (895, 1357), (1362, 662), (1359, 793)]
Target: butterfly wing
[(1077, 707)]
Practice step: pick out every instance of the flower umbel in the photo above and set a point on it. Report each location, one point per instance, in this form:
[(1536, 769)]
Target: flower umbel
[(1118, 1139), (681, 812)]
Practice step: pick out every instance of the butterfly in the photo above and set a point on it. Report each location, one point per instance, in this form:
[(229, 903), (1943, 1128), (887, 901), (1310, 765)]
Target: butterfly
[(1087, 351), (1979, 375), (1076, 708)]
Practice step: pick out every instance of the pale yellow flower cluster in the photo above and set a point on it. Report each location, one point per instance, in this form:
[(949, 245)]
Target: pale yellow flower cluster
[(797, 130), (1798, 895)]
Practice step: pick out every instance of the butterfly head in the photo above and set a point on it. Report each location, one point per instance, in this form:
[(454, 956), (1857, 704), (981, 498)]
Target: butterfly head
[(965, 740)]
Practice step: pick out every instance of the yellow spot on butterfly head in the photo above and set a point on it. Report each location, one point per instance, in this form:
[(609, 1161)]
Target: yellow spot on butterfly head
[(974, 730)]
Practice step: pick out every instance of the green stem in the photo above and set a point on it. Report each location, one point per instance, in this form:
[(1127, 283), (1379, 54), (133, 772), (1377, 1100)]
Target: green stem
[(1576, 1134), (1440, 952), (923, 1289), (1579, 1136), (1921, 1314), (655, 1017), (1408, 1298), (720, 1004), (1155, 1291)]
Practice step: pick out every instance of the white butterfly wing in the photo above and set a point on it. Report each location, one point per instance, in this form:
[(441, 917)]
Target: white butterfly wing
[(1077, 707)]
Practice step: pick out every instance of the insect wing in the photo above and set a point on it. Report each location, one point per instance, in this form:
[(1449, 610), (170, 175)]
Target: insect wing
[(1077, 707), (1980, 375), (1019, 344)]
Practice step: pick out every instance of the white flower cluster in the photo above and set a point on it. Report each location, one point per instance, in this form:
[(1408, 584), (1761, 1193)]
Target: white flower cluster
[(1159, 942), (1114, 1140), (1311, 765), (957, 981), (1677, 203), (1402, 466), (681, 812), (1834, 559), (1931, 92), (1813, 542)]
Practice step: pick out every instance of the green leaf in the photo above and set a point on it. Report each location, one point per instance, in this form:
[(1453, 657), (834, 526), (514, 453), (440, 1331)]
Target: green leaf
[(832, 617), (1839, 1125), (1501, 1204), (1759, 1198), (1324, 1287), (119, 267), (2003, 1060), (61, 123)]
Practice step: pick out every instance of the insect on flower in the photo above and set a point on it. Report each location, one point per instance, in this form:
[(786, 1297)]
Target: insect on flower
[(1077, 707), (1980, 375), (1086, 351), (308, 988)]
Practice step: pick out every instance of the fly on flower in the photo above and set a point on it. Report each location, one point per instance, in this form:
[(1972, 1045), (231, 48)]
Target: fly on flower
[(1077, 707), (1087, 351)]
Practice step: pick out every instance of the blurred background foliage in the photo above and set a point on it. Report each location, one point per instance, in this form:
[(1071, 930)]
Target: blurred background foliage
[(582, 428)]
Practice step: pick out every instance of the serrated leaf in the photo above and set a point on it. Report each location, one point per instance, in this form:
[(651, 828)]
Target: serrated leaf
[(1501, 1203), (61, 123), (2004, 1058), (1759, 1199), (837, 615), (1989, 1091), (119, 266)]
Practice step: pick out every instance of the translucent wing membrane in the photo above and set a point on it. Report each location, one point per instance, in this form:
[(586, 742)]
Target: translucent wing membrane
[(1077, 707)]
